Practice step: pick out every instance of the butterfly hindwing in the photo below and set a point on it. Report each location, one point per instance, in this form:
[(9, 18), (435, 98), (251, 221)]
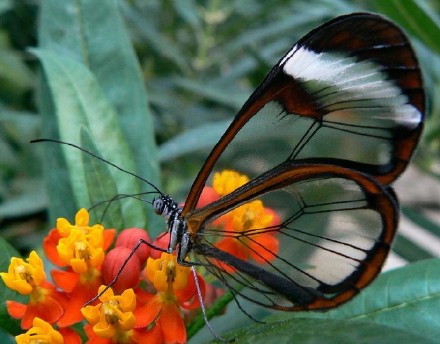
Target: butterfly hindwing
[(333, 235)]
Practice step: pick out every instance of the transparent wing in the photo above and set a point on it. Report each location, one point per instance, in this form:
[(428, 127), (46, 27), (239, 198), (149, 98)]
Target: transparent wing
[(332, 233), (350, 92)]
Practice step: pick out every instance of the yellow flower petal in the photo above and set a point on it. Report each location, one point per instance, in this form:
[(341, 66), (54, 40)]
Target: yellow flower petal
[(82, 250), (126, 321), (79, 265), (166, 274), (96, 257), (40, 332), (24, 277), (128, 300), (91, 314), (114, 316), (181, 279), (107, 295), (82, 218), (249, 216), (104, 330), (63, 227), (227, 181), (160, 281)]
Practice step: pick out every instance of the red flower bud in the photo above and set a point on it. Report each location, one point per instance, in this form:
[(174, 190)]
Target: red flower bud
[(129, 237), (130, 275)]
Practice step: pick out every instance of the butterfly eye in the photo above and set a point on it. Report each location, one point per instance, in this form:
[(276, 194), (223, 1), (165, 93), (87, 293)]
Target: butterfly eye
[(158, 206)]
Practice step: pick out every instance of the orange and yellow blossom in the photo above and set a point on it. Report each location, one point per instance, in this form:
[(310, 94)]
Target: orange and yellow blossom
[(80, 248), (112, 320), (252, 221), (29, 278), (176, 289), (41, 332), (226, 181)]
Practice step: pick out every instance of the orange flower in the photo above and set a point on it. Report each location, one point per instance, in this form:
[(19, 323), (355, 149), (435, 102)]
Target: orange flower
[(208, 195), (25, 277), (41, 332), (251, 221), (259, 243), (112, 320), (80, 248), (175, 289), (227, 181), (80, 290), (29, 279)]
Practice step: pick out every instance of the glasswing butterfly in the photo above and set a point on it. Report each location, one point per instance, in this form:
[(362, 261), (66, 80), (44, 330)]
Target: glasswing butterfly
[(333, 123), (330, 127)]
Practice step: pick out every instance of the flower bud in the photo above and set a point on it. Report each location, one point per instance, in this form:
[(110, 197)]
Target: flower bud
[(129, 237), (130, 275)]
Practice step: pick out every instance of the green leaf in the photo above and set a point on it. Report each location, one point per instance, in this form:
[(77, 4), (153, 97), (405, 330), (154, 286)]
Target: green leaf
[(409, 250), (6, 338), (15, 76), (5, 5), (407, 298), (421, 220), (215, 309), (324, 331), (156, 40), (202, 137), (80, 103), (102, 186), (92, 33), (7, 323), (187, 9), (415, 17), (56, 175), (221, 96), (32, 201), (402, 303)]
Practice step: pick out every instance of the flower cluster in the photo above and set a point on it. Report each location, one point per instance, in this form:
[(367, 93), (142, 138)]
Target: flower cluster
[(122, 314), (254, 223), (152, 295)]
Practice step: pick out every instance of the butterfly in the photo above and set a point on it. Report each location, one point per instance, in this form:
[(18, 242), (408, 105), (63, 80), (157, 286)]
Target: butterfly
[(330, 127)]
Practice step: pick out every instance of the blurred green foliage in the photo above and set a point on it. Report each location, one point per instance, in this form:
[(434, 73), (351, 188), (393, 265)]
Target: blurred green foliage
[(199, 61)]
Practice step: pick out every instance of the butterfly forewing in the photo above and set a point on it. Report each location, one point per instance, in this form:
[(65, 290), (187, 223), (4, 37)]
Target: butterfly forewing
[(350, 91), (332, 124), (333, 235)]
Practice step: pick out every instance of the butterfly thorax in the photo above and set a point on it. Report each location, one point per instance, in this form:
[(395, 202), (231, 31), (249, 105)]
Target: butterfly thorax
[(166, 207)]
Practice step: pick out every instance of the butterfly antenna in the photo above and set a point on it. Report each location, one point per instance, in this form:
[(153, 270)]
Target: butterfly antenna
[(101, 159), (202, 306), (121, 197)]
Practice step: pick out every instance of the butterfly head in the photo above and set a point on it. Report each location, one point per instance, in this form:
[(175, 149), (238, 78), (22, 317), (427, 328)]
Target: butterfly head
[(165, 206), (171, 212)]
